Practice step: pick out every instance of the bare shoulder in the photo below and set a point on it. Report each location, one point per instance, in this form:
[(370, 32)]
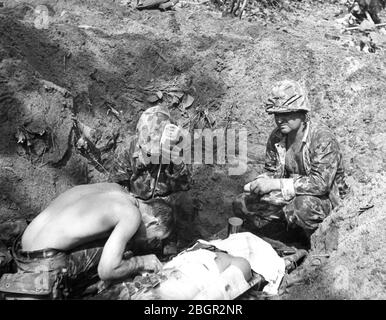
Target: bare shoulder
[(224, 260), (95, 204), (110, 198), (117, 203), (244, 265), (77, 217), (101, 211), (82, 193)]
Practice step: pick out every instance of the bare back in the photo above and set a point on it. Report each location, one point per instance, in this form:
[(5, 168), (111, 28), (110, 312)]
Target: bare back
[(82, 214)]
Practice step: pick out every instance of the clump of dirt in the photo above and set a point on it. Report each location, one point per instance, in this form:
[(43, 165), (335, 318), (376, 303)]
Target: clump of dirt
[(102, 64)]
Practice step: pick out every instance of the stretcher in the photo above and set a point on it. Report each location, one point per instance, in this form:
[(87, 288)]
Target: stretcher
[(268, 270)]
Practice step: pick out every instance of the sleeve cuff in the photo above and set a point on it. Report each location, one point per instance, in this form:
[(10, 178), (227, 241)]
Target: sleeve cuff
[(287, 188)]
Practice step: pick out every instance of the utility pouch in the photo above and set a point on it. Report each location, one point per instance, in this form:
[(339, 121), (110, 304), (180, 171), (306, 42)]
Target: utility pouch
[(32, 286)]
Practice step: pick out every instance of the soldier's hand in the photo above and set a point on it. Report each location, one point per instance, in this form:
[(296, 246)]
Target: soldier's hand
[(254, 186), (249, 186), (150, 262), (262, 186)]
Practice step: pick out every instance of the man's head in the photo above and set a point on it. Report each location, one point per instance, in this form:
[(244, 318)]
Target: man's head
[(157, 224), (289, 103), (291, 121)]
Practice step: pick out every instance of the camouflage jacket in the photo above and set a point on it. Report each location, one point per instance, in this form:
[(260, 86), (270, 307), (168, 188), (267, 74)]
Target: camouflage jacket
[(128, 170), (128, 164), (321, 159)]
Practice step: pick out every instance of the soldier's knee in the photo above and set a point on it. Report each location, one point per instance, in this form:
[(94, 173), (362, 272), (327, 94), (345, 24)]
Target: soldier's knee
[(307, 211), (302, 205)]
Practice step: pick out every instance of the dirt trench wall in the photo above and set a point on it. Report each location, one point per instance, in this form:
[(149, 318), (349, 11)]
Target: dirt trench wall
[(347, 258), (68, 70), (36, 159)]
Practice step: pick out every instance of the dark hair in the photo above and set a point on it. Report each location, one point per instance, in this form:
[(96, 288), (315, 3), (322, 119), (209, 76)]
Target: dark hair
[(157, 224), (161, 210)]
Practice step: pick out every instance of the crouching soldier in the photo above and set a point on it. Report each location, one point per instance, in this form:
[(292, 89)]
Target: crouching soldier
[(304, 177), (83, 236), (145, 162)]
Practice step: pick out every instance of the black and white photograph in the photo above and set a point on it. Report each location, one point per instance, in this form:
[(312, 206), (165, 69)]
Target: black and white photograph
[(214, 152)]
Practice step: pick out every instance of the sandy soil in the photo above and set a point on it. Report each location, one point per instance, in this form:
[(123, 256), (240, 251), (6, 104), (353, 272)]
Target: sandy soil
[(87, 56)]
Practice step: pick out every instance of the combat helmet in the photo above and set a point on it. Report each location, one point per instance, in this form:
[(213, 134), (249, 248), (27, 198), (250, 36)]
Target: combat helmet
[(287, 96), (150, 127)]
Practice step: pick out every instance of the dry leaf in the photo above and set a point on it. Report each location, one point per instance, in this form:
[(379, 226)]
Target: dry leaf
[(175, 101), (20, 136), (187, 101), (210, 118), (179, 94), (159, 94), (153, 98)]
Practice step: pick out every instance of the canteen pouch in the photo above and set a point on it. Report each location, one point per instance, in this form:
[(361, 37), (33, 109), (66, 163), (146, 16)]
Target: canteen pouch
[(29, 285)]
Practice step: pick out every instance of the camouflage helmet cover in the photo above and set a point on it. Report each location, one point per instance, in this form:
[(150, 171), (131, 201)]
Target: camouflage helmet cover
[(150, 127), (287, 96)]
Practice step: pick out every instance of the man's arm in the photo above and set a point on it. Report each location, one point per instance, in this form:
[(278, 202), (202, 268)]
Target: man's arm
[(325, 159), (324, 164), (112, 266)]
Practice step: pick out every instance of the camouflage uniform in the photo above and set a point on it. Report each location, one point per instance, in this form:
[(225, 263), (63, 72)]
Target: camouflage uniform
[(311, 185), (134, 165)]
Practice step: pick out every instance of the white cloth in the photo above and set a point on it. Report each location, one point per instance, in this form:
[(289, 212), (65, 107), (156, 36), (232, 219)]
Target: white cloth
[(198, 277), (262, 257)]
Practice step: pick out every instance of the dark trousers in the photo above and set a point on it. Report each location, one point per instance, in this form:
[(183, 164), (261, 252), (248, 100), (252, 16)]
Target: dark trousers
[(79, 267)]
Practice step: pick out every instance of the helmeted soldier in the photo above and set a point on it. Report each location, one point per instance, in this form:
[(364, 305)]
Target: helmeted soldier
[(155, 178), (144, 163), (304, 177)]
